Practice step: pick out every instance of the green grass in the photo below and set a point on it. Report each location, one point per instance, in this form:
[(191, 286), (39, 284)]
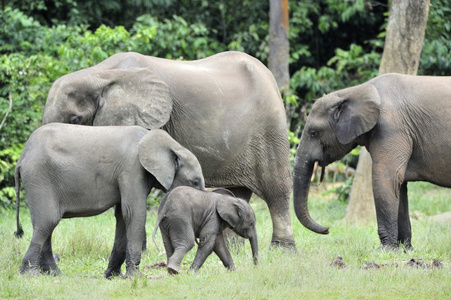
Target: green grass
[(84, 245)]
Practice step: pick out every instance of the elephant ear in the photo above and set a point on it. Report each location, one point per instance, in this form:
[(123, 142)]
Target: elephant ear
[(157, 153), (229, 210), (356, 112), (223, 191), (132, 97)]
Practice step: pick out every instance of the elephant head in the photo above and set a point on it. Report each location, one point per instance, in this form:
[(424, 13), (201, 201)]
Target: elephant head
[(94, 96), (337, 123), (170, 163), (240, 217)]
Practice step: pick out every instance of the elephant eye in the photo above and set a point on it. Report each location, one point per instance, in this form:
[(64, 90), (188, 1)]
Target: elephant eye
[(75, 120), (313, 134)]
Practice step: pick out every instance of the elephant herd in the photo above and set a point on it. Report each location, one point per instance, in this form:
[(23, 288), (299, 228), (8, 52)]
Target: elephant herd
[(180, 126)]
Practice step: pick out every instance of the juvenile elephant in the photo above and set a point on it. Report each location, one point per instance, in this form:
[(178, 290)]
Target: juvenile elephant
[(79, 171), (187, 214), (226, 109), (404, 122)]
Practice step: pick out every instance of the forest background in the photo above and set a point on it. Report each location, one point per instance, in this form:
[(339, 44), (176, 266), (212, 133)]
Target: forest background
[(333, 44)]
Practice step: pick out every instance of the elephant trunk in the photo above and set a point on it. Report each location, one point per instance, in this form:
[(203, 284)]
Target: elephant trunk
[(254, 246), (302, 175)]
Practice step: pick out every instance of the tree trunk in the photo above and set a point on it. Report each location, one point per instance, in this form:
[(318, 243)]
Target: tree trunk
[(403, 43), (278, 43)]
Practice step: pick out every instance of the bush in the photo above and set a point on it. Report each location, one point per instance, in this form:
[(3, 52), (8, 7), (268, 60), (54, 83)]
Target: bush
[(332, 46)]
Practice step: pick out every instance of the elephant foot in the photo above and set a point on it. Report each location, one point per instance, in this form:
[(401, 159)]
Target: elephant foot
[(174, 270), (133, 274), (109, 273), (132, 270), (31, 270), (231, 268), (289, 247), (389, 247), (53, 271), (406, 246)]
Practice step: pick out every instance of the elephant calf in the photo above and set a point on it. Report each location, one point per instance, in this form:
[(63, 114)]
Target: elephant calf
[(187, 214), (79, 171)]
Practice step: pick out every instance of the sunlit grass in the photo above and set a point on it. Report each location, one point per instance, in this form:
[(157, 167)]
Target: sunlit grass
[(85, 244)]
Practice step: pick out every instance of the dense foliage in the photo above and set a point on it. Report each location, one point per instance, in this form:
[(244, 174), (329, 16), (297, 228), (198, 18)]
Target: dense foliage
[(333, 44)]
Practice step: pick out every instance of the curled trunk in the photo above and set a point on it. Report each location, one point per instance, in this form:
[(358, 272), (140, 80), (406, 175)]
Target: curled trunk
[(302, 175)]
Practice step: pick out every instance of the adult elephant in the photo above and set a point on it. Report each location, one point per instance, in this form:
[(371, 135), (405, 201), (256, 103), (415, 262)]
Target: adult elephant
[(226, 109), (404, 122)]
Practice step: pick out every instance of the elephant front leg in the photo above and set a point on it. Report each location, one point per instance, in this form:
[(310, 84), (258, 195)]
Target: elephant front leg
[(223, 252), (204, 249), (386, 190), (404, 226), (117, 256)]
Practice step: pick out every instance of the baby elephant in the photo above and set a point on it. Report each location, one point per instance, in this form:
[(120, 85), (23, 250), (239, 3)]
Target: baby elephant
[(79, 171), (187, 214)]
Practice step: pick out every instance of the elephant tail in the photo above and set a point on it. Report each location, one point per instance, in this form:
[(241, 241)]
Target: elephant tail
[(160, 217), (19, 233)]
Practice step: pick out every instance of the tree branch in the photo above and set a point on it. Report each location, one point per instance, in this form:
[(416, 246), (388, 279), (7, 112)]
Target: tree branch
[(9, 109)]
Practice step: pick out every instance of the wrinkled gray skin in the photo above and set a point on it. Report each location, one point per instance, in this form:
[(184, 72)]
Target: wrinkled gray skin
[(226, 109), (187, 215), (79, 171), (404, 122)]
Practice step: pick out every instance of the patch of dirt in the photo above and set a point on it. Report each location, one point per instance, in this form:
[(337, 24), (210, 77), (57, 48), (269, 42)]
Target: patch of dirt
[(338, 263), (437, 263), (418, 263), (154, 277), (413, 263), (373, 265), (158, 265)]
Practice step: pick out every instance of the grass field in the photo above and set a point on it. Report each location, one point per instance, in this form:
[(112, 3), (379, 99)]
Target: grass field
[(84, 245)]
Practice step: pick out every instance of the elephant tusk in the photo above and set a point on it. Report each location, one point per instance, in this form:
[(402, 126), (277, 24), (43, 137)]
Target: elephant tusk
[(315, 168)]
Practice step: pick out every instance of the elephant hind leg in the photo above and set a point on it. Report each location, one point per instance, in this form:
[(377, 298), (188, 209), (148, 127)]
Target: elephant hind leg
[(30, 262), (167, 244), (118, 252), (182, 241), (47, 262), (176, 258), (282, 228), (37, 255)]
